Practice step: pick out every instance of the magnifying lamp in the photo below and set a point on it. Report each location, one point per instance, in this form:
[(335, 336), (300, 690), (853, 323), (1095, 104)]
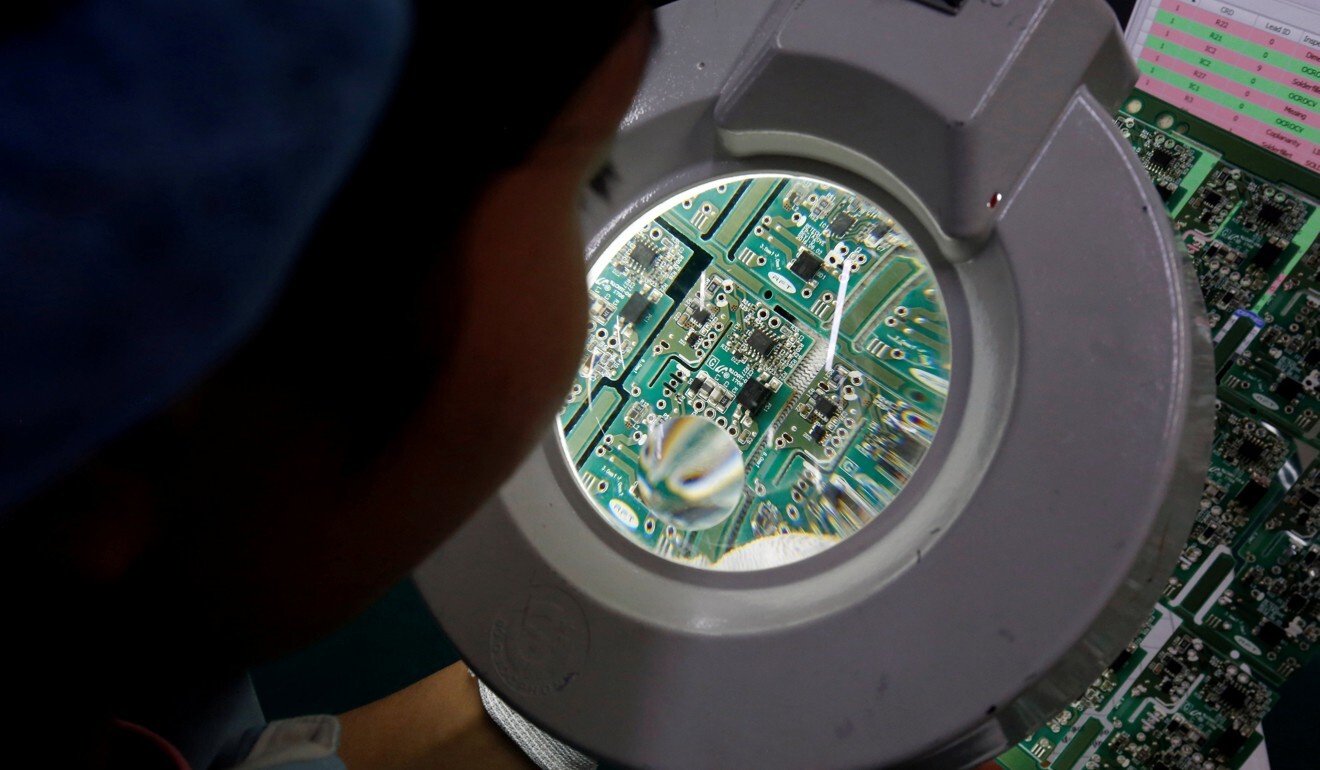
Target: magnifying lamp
[(893, 410)]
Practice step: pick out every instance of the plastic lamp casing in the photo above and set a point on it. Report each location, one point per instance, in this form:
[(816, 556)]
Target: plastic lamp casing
[(1032, 541)]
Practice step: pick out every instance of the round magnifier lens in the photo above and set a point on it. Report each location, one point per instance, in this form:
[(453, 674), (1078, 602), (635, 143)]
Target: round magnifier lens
[(767, 364)]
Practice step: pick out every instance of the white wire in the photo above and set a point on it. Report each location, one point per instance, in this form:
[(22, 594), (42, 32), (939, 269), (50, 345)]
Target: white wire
[(838, 315)]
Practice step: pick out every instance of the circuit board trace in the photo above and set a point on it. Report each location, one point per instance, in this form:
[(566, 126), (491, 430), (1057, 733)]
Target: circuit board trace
[(794, 315)]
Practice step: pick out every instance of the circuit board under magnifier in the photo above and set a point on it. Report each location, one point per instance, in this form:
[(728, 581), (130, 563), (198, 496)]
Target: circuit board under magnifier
[(766, 365)]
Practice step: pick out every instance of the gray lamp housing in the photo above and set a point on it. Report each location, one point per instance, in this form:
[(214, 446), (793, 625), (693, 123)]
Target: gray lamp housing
[(1032, 541)]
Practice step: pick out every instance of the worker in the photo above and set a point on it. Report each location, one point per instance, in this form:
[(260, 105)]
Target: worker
[(287, 290)]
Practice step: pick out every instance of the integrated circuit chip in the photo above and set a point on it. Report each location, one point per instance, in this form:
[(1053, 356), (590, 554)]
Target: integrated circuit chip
[(644, 255), (1233, 697), (1161, 158), (1251, 494), (1288, 388), (825, 407), (1266, 255), (877, 233), (754, 396), (841, 223), (1230, 743), (635, 309), (806, 266), (1270, 633), (1250, 452), (764, 344)]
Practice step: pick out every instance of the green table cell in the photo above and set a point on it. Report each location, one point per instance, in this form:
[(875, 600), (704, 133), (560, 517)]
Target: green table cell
[(1219, 67), (1265, 115), (1201, 61), (1248, 48), (1206, 33)]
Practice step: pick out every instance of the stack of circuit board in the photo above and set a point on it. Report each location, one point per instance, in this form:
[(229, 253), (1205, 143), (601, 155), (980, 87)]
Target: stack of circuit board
[(1241, 612)]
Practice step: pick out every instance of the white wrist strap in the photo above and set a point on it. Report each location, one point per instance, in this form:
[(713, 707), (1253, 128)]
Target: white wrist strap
[(546, 752)]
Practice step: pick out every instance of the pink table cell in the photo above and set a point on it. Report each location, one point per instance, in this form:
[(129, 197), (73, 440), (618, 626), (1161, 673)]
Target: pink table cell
[(1196, 74), (1296, 49), (1169, 93), (1280, 143), (1188, 41), (1219, 115), (1263, 69), (1301, 84), (1304, 107)]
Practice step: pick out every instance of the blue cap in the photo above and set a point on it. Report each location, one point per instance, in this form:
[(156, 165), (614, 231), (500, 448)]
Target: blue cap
[(161, 163)]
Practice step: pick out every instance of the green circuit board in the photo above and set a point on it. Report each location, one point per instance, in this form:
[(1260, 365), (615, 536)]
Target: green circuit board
[(1241, 612), (793, 315)]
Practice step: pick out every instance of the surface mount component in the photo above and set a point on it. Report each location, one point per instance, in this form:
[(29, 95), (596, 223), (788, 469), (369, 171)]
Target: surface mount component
[(823, 184), (838, 383)]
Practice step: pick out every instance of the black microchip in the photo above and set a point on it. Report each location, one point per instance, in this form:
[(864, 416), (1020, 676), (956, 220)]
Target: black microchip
[(762, 343), (1211, 199), (1165, 192), (841, 223), (1230, 743), (644, 255), (825, 407), (1308, 498), (1288, 388), (635, 309), (1233, 697), (1249, 452), (1161, 158), (1312, 358), (700, 316), (1270, 214), (754, 396), (817, 433), (1270, 633), (1173, 667), (1296, 604), (1120, 661), (692, 339), (1266, 255), (806, 265), (1251, 494), (880, 231)]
